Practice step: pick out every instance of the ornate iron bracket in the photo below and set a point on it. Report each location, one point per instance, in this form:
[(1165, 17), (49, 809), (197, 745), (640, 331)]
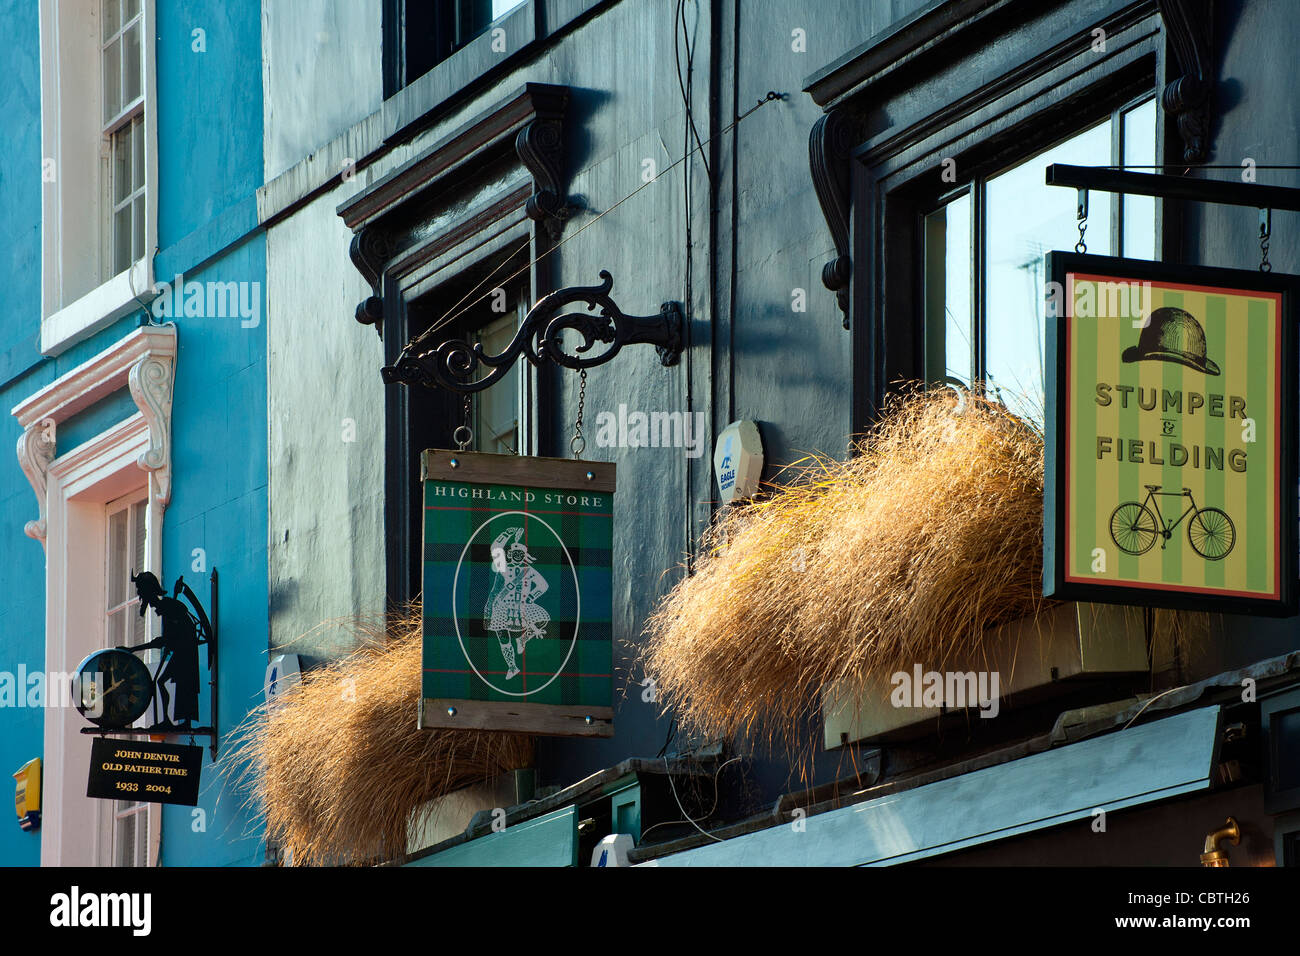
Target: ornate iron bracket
[(454, 363), (1189, 99)]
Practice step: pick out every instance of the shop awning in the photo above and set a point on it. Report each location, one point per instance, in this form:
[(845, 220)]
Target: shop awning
[(1153, 761), (551, 840)]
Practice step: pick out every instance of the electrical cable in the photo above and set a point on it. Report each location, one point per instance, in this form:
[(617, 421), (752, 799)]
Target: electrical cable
[(684, 87), (448, 319), (685, 816)]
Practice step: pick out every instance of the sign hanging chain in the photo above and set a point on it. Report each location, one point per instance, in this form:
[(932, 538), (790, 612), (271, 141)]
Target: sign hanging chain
[(1265, 232), (1082, 216), (463, 434), (578, 444)]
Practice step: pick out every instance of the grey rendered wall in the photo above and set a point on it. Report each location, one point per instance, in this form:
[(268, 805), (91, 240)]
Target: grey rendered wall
[(321, 72), (751, 354), (326, 441)]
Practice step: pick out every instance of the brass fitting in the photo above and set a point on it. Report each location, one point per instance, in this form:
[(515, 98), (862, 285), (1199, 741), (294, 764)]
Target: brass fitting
[(1213, 855)]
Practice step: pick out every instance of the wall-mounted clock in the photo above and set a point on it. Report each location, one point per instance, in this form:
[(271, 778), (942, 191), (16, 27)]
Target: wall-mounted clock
[(113, 688)]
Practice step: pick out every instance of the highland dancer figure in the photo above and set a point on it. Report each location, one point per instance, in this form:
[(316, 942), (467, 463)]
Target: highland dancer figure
[(510, 612)]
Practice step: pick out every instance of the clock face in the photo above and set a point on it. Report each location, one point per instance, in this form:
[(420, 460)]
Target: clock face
[(112, 688)]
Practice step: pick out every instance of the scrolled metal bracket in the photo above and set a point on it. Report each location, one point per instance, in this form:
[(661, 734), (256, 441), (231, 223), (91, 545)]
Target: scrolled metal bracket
[(456, 365)]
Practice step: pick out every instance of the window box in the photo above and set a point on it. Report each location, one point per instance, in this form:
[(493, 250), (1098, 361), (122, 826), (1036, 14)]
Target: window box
[(1067, 643)]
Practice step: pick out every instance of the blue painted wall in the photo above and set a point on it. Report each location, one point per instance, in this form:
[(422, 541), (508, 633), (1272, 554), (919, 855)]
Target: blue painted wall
[(209, 166), (22, 570), (209, 110)]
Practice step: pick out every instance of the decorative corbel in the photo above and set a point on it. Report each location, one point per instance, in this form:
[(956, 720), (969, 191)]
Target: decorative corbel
[(829, 145), (1190, 98), (35, 452), (151, 382), (540, 147), (371, 247)]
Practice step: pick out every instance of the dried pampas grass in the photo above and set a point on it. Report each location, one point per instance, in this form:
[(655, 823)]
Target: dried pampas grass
[(338, 768), (906, 552)]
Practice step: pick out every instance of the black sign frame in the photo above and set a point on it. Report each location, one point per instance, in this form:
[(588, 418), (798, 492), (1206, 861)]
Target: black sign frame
[(1059, 265), (144, 771)]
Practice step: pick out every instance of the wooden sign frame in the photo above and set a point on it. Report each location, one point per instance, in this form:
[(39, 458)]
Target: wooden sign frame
[(1235, 336), (517, 585)]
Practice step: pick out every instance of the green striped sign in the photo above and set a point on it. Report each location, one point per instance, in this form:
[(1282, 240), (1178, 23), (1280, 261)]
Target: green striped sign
[(517, 594), (1171, 462)]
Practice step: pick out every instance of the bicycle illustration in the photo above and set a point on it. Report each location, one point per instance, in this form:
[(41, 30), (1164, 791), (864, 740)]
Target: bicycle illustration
[(1134, 527)]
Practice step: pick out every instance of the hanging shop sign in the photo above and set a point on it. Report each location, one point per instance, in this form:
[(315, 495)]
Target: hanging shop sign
[(144, 772), (1171, 453), (517, 594)]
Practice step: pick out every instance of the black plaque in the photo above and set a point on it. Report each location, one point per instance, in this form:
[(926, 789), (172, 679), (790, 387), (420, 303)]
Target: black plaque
[(145, 772)]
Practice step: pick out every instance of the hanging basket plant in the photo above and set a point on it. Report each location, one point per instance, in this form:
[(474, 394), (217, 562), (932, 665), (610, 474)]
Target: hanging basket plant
[(907, 552), (337, 767)]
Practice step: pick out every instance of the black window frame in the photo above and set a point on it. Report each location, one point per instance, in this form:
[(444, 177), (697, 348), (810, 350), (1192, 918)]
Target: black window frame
[(975, 186), (1039, 91), (418, 418), (446, 35)]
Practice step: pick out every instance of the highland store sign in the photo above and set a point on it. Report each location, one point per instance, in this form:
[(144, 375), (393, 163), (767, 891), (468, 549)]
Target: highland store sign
[(1171, 447)]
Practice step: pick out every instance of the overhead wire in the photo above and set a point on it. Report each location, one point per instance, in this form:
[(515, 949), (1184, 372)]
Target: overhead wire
[(447, 319)]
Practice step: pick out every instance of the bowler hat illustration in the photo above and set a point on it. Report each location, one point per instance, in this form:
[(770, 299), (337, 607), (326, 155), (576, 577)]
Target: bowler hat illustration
[(1172, 335)]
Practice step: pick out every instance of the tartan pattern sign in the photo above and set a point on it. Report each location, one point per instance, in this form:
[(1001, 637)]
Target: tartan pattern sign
[(1171, 476), (517, 594)]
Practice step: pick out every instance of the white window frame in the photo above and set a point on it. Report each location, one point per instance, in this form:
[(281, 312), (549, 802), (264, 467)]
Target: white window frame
[(73, 487), (75, 301), (115, 812)]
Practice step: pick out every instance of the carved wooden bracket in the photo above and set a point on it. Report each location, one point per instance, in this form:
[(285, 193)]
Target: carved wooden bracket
[(35, 452), (1190, 98), (151, 383), (143, 362), (832, 138), (540, 146), (386, 218)]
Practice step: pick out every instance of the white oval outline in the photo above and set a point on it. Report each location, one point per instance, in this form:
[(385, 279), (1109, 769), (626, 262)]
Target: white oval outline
[(577, 596)]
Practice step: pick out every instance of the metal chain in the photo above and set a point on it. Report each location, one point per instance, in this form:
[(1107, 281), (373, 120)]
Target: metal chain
[(463, 434), (1082, 216), (1265, 231), (578, 444)]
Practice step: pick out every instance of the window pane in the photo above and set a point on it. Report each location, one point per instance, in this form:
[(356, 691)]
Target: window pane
[(138, 525), (125, 837), (1026, 218), (123, 168), (118, 550), (137, 152), (130, 9), (137, 230), (112, 80), (1140, 211), (132, 80), (112, 23), (502, 7), (948, 339), (117, 627), (121, 239), (496, 410)]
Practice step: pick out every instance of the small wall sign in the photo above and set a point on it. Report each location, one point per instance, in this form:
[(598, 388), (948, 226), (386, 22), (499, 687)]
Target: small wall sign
[(738, 461), (1171, 435), (517, 594), (144, 772)]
